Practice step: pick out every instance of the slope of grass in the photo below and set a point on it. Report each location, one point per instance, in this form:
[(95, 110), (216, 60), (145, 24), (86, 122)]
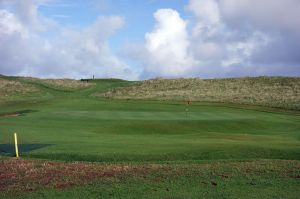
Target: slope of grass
[(280, 92), (25, 89)]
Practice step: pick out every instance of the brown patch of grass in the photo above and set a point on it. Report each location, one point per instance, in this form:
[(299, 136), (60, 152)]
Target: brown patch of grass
[(63, 84), (9, 88), (29, 175)]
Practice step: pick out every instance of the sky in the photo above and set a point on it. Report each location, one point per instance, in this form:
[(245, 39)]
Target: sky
[(143, 39)]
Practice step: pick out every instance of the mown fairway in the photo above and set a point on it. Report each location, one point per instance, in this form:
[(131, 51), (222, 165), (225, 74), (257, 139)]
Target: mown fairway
[(76, 126)]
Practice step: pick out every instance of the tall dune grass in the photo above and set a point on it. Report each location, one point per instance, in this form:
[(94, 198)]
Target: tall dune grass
[(280, 92), (9, 88), (61, 84)]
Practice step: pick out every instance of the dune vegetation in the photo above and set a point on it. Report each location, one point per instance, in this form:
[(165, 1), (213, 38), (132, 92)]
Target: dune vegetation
[(10, 88), (59, 84), (279, 92)]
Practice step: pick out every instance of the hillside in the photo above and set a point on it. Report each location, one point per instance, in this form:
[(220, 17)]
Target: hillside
[(10, 88), (279, 92), (149, 147), (28, 88), (58, 84)]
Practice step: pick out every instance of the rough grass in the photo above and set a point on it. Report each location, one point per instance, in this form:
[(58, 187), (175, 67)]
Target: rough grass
[(30, 175), (9, 88), (251, 179), (60, 84), (279, 92)]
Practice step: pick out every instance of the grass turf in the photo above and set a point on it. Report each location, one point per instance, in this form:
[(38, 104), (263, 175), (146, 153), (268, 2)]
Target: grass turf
[(76, 126), (113, 131)]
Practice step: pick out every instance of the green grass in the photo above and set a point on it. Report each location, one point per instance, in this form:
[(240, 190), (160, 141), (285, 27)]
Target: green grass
[(79, 126), (114, 131)]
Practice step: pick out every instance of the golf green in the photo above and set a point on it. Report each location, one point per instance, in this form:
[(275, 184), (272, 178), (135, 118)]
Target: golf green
[(90, 129)]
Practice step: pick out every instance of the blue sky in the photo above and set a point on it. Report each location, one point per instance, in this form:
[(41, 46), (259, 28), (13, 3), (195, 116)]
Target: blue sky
[(142, 39), (137, 13)]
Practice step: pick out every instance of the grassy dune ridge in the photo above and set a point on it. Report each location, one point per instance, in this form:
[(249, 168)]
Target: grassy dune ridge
[(14, 89), (59, 84), (9, 88), (279, 92)]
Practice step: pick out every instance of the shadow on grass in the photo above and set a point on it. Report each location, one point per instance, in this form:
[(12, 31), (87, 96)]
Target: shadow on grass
[(9, 149), (17, 113)]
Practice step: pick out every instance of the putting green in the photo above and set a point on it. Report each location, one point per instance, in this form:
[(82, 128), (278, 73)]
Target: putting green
[(78, 128)]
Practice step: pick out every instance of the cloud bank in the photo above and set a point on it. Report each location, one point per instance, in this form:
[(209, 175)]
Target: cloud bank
[(221, 38), (24, 50), (224, 38)]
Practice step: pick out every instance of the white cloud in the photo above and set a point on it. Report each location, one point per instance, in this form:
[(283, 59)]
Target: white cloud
[(167, 45), (210, 49), (240, 52), (72, 53), (9, 24), (224, 38), (221, 38), (230, 36), (86, 52), (166, 48), (276, 15), (208, 17)]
